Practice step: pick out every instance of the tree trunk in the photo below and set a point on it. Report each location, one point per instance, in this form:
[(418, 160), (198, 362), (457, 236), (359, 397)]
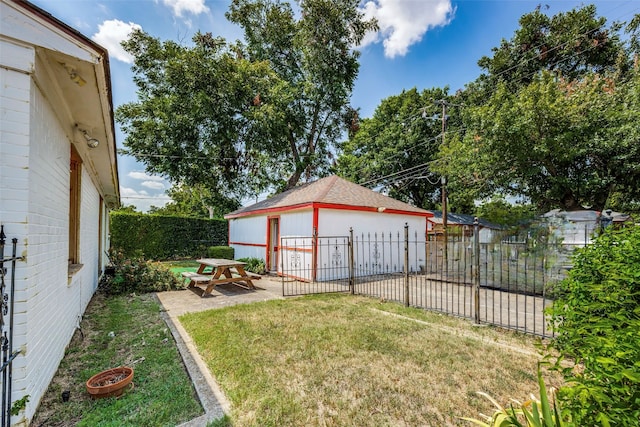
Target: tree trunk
[(293, 179)]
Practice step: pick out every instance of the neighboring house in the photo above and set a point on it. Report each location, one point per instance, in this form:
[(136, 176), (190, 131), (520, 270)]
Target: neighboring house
[(577, 228), (462, 225), (330, 206), (58, 180)]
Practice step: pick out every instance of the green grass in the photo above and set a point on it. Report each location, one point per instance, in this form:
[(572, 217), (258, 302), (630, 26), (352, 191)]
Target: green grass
[(343, 360), (178, 267), (162, 395)]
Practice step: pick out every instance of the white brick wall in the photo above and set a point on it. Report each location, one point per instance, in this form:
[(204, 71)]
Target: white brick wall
[(34, 207), (14, 184)]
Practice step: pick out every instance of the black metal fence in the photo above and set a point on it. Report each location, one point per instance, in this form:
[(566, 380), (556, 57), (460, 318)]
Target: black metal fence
[(7, 290), (505, 283)]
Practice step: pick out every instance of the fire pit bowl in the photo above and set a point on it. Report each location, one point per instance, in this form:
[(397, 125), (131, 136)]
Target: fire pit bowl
[(110, 383)]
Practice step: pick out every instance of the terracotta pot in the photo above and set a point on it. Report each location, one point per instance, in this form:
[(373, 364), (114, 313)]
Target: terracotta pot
[(110, 383)]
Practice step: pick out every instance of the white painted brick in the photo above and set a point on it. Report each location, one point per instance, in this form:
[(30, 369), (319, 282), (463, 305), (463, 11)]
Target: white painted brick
[(15, 79), (14, 128), (16, 56)]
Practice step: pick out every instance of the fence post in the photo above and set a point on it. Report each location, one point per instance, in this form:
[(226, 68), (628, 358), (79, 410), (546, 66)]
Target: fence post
[(476, 269), (406, 264), (351, 263)]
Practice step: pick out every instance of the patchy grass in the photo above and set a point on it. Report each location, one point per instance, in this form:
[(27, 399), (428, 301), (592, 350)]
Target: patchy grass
[(343, 360), (121, 331)]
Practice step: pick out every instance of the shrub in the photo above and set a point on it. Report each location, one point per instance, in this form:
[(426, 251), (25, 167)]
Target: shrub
[(165, 237), (254, 265), (597, 321), (137, 275), (224, 252)]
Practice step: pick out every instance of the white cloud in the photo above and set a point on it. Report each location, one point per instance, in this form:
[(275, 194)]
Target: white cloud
[(111, 33), (404, 22), (154, 185), (195, 7), (144, 176), (142, 200)]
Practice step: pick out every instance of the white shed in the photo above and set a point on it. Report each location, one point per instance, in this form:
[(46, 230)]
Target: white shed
[(58, 179), (330, 206)]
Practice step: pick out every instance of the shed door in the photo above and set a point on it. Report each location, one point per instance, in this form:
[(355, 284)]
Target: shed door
[(274, 235)]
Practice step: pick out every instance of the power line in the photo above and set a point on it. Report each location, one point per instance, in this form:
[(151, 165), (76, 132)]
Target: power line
[(521, 79)]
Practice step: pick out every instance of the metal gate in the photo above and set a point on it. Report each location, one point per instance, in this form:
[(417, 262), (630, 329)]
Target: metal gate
[(316, 264), (7, 290)]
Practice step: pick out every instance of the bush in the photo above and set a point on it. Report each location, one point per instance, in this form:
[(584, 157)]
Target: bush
[(254, 265), (597, 321), (224, 252), (137, 276), (165, 237)]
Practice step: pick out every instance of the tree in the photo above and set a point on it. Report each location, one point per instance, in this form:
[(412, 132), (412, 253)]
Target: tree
[(394, 149), (560, 144), (241, 118), (196, 202), (563, 134), (570, 44), (126, 208), (499, 211)]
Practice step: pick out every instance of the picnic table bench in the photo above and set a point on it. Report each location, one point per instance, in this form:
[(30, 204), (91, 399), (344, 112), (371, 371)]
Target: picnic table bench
[(222, 271)]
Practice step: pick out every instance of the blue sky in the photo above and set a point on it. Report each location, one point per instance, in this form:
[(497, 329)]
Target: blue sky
[(421, 43)]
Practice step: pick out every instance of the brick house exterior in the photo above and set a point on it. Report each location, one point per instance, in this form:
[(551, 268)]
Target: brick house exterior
[(55, 190)]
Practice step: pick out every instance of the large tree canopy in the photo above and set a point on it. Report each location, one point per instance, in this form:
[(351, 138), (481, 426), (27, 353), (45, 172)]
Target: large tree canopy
[(572, 44), (556, 117), (559, 143), (196, 202), (241, 118), (394, 149)]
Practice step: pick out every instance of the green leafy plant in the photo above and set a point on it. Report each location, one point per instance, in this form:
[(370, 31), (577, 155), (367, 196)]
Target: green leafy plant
[(254, 265), (137, 275), (596, 317), (19, 405), (543, 412)]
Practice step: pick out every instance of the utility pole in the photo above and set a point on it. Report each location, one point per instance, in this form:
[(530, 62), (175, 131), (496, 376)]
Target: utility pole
[(443, 181)]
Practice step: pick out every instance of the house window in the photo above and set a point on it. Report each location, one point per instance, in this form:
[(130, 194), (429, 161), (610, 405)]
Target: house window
[(74, 207)]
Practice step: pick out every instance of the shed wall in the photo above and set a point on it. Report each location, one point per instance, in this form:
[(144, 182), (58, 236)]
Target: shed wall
[(334, 222), (248, 236), (296, 223)]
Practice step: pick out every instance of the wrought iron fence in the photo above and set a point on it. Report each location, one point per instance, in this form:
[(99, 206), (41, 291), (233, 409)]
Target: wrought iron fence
[(505, 283), (7, 290)]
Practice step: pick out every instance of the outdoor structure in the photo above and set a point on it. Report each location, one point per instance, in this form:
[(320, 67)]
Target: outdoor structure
[(315, 215), (577, 228), (58, 180), (462, 225)]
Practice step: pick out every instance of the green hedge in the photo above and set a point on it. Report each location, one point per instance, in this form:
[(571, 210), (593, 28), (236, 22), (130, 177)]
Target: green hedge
[(224, 252), (165, 237)]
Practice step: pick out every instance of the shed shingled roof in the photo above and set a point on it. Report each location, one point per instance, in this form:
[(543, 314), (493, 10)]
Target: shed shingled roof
[(331, 190)]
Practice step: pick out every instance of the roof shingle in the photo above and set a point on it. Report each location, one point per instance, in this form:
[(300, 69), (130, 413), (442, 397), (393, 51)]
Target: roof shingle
[(330, 190)]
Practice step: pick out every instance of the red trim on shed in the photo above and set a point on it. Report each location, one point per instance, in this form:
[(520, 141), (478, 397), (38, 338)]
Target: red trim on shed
[(259, 245)]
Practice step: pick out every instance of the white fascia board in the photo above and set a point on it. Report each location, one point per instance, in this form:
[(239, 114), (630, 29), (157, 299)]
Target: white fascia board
[(18, 23)]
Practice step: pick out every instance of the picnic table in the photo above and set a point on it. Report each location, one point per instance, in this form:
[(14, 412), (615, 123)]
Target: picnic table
[(215, 271)]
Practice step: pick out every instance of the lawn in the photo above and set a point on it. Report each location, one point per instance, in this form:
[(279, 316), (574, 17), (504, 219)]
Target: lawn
[(115, 331), (343, 360), (178, 267)]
